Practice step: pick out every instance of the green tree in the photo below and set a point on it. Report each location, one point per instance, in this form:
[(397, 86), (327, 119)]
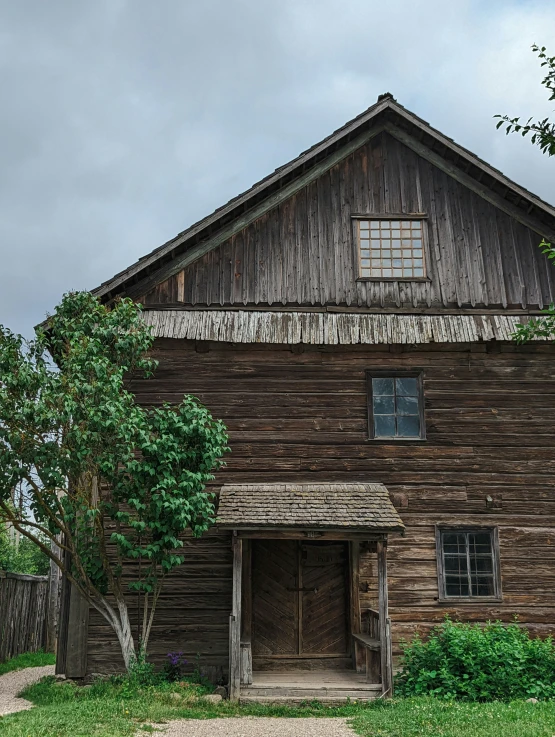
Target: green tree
[(26, 557), (113, 480), (542, 134)]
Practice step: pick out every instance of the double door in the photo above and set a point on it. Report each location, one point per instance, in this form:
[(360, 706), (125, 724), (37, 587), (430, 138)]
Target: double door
[(299, 599)]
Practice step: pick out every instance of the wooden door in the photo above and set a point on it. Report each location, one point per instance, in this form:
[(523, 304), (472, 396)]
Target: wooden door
[(324, 599), (299, 598), (274, 591)]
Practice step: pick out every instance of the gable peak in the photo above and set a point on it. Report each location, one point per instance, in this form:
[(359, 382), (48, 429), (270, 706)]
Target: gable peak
[(386, 96)]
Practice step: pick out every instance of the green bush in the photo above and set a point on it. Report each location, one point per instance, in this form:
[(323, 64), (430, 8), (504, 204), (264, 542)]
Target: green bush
[(473, 662)]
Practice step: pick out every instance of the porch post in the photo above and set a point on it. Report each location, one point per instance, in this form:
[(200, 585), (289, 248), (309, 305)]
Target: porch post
[(354, 549), (385, 631), (235, 621), (246, 615)]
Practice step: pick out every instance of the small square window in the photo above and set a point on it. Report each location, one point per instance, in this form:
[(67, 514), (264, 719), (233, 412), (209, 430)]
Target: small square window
[(386, 238), (395, 406), (468, 563)]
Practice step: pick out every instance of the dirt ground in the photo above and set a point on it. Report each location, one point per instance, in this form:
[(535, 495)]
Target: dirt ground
[(14, 682), (259, 727)]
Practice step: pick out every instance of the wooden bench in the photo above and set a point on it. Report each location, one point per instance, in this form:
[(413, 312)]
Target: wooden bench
[(369, 640), (370, 643)]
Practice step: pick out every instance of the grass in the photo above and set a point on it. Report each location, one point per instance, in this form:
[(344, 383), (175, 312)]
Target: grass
[(119, 710), (27, 660), (429, 717)]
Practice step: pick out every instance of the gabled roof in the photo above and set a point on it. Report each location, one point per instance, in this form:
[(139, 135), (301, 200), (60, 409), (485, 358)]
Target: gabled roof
[(387, 114)]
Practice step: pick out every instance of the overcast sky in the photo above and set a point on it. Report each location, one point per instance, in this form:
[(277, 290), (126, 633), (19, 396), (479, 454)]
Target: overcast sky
[(124, 121)]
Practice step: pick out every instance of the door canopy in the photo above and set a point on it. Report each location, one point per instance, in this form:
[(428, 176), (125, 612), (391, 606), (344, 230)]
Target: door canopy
[(309, 506)]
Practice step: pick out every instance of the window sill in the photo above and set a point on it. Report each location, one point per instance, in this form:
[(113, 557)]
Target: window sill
[(394, 278), (394, 441), (470, 600)]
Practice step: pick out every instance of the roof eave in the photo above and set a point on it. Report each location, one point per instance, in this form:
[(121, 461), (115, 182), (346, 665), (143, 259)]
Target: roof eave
[(310, 528)]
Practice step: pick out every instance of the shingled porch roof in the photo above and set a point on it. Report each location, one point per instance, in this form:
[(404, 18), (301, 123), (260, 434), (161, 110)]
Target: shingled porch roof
[(361, 507)]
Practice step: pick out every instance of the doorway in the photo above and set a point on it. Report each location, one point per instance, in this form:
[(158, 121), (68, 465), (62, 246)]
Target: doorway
[(299, 603)]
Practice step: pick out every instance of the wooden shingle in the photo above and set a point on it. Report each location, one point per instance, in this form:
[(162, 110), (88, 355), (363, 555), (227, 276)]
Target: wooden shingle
[(308, 505), (289, 328)]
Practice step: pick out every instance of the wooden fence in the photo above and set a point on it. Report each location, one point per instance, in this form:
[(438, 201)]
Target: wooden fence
[(23, 611)]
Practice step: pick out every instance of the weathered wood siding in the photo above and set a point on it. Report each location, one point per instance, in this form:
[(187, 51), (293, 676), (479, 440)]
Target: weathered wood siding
[(23, 609), (192, 616), (302, 252), (296, 416)]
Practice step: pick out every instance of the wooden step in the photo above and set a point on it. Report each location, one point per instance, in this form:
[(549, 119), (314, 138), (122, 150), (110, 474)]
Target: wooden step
[(310, 692), (296, 686), (265, 664), (296, 700), (280, 693)]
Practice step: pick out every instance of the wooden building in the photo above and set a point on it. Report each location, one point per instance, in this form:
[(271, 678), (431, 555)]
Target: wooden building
[(350, 317)]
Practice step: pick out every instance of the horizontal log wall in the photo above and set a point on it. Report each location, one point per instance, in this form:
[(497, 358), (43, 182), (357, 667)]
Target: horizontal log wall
[(192, 613), (302, 252), (23, 606), (295, 416)]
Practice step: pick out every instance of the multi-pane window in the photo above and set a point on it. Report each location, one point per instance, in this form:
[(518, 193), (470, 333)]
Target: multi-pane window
[(390, 249), (396, 407), (468, 563)]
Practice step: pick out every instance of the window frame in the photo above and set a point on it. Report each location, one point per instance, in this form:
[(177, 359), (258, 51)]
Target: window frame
[(356, 217), (497, 597), (381, 373)]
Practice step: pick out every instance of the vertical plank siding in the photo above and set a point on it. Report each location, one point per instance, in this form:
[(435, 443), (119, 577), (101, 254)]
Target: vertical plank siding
[(23, 609), (303, 416), (302, 252)]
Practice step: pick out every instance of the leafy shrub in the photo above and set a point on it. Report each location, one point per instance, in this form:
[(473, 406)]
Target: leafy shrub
[(140, 674), (472, 662)]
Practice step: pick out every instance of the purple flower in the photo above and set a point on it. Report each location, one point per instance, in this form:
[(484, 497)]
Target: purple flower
[(176, 659)]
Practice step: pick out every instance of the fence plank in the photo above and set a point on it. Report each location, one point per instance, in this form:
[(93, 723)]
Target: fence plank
[(23, 601)]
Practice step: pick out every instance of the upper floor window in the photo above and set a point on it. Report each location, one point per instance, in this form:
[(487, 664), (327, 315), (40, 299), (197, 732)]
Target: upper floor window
[(468, 563), (390, 248), (396, 407)]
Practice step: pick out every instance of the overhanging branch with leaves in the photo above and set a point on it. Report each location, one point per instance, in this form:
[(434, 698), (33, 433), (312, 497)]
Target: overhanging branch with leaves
[(114, 481)]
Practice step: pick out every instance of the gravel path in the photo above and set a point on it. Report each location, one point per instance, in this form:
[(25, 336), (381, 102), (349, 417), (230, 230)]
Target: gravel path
[(259, 727), (14, 682)]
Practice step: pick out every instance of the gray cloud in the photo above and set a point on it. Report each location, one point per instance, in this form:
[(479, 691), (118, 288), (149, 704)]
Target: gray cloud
[(123, 121)]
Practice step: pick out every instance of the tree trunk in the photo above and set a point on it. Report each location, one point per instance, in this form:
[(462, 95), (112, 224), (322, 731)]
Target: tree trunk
[(125, 636), (119, 622)]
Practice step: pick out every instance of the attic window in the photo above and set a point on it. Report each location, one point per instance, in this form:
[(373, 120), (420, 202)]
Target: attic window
[(390, 248)]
